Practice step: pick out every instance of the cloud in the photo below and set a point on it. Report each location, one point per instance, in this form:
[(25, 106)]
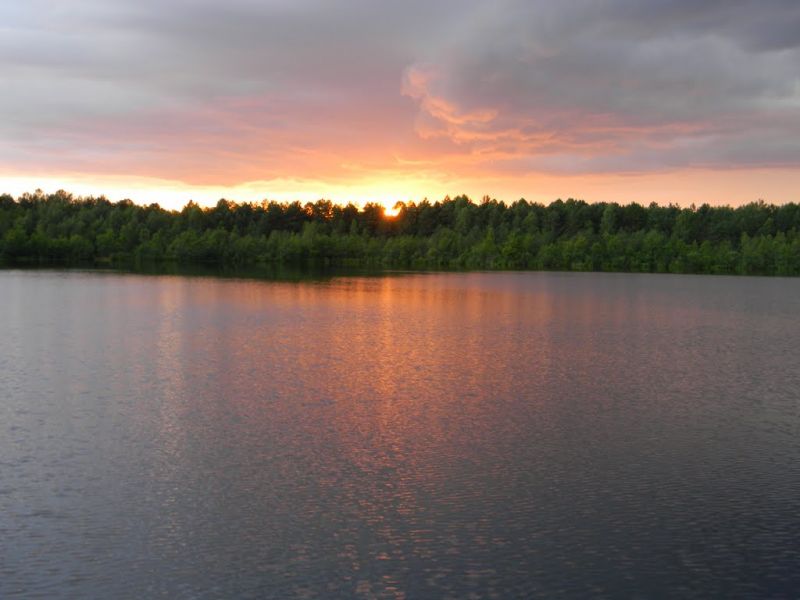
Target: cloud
[(620, 85), (221, 94)]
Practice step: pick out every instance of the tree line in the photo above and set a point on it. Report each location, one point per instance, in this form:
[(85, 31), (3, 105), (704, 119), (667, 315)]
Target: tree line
[(457, 233)]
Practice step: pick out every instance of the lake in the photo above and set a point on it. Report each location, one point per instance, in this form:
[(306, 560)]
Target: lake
[(487, 435)]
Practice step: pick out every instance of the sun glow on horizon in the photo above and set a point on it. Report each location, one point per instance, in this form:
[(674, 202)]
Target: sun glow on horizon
[(176, 194), (392, 211), (691, 186)]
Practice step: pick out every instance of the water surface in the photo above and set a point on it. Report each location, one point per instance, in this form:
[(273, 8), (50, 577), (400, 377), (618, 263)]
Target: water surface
[(435, 435)]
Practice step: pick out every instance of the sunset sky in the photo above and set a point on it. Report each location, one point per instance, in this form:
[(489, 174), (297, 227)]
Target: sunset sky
[(627, 100)]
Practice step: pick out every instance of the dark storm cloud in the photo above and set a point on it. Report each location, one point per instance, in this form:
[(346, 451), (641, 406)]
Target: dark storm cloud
[(618, 84)]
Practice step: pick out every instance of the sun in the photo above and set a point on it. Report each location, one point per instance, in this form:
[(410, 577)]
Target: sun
[(392, 211)]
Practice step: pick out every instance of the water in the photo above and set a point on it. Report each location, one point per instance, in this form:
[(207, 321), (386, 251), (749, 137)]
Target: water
[(417, 436)]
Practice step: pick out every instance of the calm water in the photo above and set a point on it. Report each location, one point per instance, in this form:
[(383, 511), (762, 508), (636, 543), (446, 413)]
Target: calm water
[(421, 436)]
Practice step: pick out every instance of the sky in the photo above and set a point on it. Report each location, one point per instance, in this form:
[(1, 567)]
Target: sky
[(680, 101)]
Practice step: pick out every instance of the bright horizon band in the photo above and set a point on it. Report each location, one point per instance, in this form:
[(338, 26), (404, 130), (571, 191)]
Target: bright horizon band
[(691, 187)]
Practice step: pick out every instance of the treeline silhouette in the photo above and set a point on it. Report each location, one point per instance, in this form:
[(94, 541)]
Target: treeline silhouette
[(757, 238)]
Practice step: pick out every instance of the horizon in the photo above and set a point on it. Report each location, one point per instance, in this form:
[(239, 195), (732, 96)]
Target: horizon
[(616, 101), (389, 211)]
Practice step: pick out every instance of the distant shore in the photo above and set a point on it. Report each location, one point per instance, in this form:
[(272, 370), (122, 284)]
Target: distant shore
[(457, 233)]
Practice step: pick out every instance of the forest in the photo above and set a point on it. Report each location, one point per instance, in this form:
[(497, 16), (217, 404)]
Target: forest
[(455, 233)]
